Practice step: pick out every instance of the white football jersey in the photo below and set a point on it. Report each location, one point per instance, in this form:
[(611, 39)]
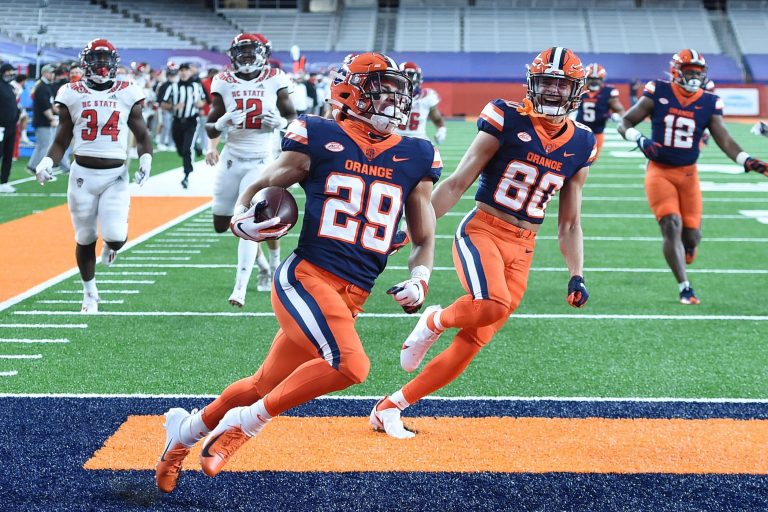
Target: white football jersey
[(100, 118), (423, 102), (254, 97)]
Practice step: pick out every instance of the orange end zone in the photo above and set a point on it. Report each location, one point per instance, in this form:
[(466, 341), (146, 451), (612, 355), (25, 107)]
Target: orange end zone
[(39, 247), (449, 444)]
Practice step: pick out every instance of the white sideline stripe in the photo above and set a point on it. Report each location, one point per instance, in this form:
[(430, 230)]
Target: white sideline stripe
[(531, 316), (175, 265), (31, 194), (9, 374), (716, 400), (152, 251), (122, 281), (44, 326), (101, 301), (157, 258), (73, 271), (132, 274), (126, 292), (160, 246), (31, 340), (21, 356), (176, 233), (174, 240)]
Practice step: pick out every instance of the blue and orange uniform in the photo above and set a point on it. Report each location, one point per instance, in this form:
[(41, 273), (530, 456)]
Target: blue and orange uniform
[(595, 111), (677, 126), (355, 189)]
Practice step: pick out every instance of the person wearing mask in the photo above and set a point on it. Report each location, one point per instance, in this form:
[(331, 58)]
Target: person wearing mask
[(44, 120), (184, 99), (9, 115)]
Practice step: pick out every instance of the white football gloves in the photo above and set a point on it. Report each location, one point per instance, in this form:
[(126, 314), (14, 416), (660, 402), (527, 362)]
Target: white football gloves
[(760, 128), (274, 120), (145, 168), (440, 134), (233, 118), (44, 171), (244, 225), (411, 294)]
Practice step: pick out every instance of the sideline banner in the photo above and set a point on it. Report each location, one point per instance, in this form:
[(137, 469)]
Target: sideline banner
[(742, 101)]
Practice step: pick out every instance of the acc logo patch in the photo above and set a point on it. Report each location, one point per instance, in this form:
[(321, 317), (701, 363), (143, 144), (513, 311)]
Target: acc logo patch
[(334, 146), (524, 136), (663, 101), (79, 182)]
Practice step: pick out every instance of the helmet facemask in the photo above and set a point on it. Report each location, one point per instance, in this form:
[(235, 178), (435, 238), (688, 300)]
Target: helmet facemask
[(385, 99), (554, 94), (594, 83), (99, 66), (691, 77), (249, 57), (415, 78)]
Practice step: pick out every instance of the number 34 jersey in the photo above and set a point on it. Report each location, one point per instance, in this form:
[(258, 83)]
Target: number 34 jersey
[(254, 97), (355, 193), (100, 118), (529, 167), (678, 121)]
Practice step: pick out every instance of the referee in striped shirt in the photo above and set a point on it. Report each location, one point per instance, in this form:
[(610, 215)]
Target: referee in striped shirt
[(184, 99)]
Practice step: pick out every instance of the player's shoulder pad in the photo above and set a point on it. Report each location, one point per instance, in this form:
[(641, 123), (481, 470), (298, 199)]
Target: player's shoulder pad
[(581, 126), (650, 87)]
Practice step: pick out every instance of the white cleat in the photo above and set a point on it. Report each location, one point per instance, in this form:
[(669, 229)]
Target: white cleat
[(418, 342), (388, 421), (237, 298), (264, 284), (90, 304), (108, 256), (168, 467)]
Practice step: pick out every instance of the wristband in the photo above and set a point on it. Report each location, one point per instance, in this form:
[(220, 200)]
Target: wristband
[(632, 134), (742, 157), (421, 272)]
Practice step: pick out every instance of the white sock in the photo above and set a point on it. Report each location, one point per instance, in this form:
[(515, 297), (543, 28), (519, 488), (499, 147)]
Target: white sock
[(683, 285), (274, 257), (399, 400), (436, 319), (192, 429), (261, 260), (90, 287), (253, 418), (246, 257)]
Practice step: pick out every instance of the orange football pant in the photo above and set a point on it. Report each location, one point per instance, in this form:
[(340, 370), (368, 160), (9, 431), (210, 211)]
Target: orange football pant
[(492, 258), (674, 191), (316, 350)]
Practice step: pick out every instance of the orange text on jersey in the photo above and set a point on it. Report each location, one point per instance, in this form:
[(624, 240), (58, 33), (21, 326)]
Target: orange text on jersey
[(682, 113), (100, 103), (370, 170), (245, 93), (543, 161)]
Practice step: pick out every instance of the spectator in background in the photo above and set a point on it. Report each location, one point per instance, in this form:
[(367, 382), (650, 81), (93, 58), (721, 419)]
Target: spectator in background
[(184, 99), (43, 119), (164, 139), (61, 77), (202, 136), (9, 115)]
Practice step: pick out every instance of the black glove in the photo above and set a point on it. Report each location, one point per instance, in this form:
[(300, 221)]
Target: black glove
[(577, 292)]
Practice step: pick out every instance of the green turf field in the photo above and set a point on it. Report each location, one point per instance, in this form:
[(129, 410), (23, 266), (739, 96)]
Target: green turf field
[(171, 330)]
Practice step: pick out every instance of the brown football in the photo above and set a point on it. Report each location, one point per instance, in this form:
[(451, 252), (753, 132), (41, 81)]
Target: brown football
[(280, 203)]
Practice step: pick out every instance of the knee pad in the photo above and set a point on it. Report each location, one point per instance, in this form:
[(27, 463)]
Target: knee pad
[(489, 311), (356, 368), (85, 235)]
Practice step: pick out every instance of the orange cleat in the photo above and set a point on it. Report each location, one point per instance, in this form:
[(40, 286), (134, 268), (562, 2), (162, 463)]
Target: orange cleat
[(168, 467), (687, 297), (690, 255), (222, 443)]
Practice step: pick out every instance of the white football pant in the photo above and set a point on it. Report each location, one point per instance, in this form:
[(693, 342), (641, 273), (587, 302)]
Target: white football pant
[(98, 196), (233, 176)]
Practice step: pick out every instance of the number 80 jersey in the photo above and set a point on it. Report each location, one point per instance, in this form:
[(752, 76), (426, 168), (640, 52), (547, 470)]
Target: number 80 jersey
[(529, 167), (355, 192), (100, 118)]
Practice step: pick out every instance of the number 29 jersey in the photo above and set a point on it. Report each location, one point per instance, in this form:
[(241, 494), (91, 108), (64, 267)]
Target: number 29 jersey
[(355, 194), (529, 167), (254, 97), (679, 121), (100, 118)]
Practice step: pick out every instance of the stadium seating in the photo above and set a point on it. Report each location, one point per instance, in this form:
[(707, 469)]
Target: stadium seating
[(286, 27), (750, 26), (357, 30), (428, 29)]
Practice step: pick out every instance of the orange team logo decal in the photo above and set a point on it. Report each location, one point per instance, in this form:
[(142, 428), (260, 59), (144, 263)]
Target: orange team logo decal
[(524, 136), (370, 153), (334, 146)]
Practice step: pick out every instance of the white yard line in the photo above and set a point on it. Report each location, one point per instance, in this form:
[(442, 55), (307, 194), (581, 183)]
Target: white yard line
[(113, 273), (9, 374), (101, 301), (73, 271), (21, 356), (101, 292), (124, 281), (157, 258), (32, 340), (44, 326), (161, 251)]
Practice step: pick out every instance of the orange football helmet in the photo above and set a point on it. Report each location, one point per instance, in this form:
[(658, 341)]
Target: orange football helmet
[(371, 88), (688, 69), (413, 71), (249, 53), (99, 61), (595, 76), (555, 81)]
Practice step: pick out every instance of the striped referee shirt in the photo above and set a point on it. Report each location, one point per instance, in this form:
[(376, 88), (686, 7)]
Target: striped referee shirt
[(189, 93)]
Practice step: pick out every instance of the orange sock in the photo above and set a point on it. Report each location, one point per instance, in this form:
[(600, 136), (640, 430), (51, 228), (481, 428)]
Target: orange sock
[(238, 394), (442, 369), (310, 380), (469, 312)]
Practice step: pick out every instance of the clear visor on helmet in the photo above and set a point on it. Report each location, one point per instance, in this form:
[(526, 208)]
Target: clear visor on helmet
[(554, 95)]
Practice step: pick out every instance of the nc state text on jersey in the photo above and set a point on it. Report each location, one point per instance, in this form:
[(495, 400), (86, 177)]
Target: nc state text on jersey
[(248, 93), (544, 161), (370, 170), (99, 103)]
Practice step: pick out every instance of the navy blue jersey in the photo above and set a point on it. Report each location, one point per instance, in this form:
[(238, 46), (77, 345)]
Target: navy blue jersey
[(529, 167), (594, 110), (678, 121), (356, 192)]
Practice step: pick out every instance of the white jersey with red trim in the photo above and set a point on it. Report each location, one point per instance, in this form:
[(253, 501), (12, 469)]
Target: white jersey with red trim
[(426, 100), (254, 97), (100, 118)]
